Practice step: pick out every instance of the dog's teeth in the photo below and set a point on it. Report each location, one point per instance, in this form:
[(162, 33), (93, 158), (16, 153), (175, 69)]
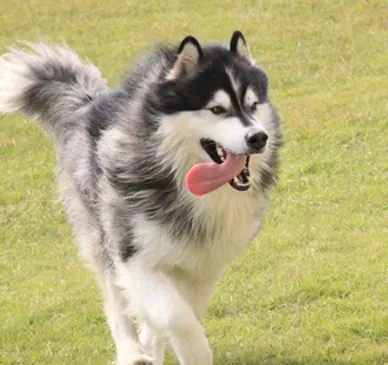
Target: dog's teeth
[(220, 151)]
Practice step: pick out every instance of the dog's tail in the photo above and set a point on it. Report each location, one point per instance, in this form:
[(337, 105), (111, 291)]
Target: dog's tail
[(47, 82)]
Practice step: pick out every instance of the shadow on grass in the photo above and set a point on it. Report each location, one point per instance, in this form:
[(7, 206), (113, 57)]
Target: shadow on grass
[(273, 359)]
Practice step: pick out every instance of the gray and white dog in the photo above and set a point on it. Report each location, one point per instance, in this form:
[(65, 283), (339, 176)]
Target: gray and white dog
[(165, 179)]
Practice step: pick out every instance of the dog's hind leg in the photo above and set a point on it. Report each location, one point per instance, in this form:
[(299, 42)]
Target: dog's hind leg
[(128, 348), (158, 302), (89, 234)]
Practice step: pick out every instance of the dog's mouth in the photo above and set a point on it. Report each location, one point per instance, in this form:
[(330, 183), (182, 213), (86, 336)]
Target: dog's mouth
[(218, 154), (226, 168)]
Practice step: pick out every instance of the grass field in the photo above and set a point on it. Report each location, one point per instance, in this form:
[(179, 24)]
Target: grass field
[(313, 288)]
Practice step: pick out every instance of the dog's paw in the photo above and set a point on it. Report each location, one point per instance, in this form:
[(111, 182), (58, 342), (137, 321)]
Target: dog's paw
[(136, 359), (142, 360)]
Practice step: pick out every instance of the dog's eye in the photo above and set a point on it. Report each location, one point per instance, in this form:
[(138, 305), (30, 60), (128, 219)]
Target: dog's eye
[(254, 106), (218, 110)]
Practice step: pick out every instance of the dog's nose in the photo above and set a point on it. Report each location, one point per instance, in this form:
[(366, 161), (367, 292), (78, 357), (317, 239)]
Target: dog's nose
[(256, 140)]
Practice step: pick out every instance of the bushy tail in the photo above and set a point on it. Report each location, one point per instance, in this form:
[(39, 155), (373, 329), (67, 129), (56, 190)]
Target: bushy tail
[(48, 82)]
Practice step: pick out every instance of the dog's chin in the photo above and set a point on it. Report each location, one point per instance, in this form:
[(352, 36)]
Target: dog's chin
[(218, 154)]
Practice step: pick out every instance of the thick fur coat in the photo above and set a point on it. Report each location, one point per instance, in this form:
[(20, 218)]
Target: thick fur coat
[(123, 160)]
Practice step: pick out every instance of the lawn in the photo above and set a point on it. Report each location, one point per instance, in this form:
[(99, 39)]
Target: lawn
[(313, 287)]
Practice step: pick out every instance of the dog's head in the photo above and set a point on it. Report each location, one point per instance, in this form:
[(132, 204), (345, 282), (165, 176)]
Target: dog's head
[(216, 99)]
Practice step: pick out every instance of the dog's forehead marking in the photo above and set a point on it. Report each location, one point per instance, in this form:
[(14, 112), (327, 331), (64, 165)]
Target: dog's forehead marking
[(233, 81), (220, 98), (250, 97)]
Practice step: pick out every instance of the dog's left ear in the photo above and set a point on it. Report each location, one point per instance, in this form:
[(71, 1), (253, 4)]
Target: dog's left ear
[(238, 46), (189, 55)]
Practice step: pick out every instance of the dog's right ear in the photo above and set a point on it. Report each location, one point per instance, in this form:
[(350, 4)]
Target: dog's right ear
[(189, 54)]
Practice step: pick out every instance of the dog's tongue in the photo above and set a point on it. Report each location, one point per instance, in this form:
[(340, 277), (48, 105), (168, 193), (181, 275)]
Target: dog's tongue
[(208, 176)]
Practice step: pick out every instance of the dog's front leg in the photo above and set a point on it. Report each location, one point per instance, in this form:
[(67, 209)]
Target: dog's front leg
[(154, 298), (128, 348), (153, 343)]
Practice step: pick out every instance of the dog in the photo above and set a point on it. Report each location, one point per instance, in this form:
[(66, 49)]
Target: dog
[(165, 179)]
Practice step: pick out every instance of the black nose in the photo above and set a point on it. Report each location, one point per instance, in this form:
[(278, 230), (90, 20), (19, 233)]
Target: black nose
[(257, 140)]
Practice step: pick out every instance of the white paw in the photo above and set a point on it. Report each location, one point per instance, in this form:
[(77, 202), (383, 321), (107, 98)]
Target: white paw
[(142, 360), (136, 359)]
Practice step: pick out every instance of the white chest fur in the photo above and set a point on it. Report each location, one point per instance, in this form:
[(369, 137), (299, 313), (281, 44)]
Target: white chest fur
[(230, 220)]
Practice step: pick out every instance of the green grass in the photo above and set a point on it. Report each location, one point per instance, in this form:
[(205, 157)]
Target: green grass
[(313, 288)]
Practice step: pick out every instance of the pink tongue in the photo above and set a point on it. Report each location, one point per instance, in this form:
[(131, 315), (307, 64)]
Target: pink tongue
[(208, 176)]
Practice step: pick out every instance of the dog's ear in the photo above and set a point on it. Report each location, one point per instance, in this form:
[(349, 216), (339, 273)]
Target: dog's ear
[(238, 46), (189, 54)]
